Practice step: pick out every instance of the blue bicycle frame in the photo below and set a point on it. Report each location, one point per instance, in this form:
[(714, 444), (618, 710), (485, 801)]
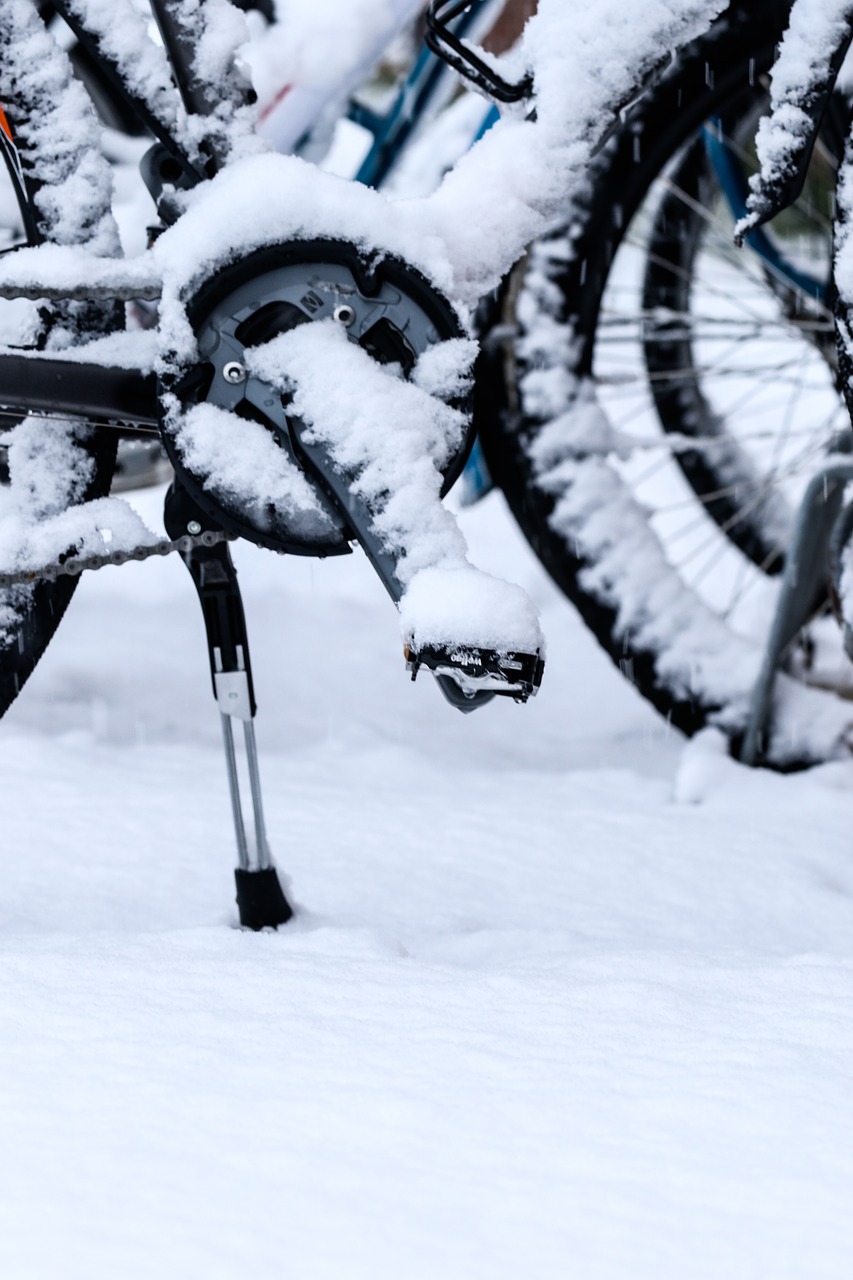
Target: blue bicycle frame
[(392, 130)]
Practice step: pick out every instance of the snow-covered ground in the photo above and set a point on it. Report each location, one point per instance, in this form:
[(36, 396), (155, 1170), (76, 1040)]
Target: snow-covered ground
[(565, 997)]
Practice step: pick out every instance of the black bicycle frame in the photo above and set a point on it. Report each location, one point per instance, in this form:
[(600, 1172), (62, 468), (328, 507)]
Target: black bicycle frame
[(101, 394)]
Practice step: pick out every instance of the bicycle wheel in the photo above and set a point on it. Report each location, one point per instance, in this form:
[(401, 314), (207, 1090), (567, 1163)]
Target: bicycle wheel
[(62, 188), (662, 399), (718, 324)]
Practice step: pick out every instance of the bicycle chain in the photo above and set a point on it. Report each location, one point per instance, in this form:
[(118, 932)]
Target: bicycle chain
[(75, 565)]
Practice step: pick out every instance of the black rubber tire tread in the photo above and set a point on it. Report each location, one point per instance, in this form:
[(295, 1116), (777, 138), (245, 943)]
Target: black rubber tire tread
[(708, 74)]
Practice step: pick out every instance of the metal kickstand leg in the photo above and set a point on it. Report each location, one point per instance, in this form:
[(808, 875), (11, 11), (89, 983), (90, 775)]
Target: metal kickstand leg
[(260, 898)]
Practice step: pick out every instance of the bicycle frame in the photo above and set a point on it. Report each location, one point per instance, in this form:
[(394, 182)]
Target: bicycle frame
[(127, 399), (124, 398), (393, 130), (121, 398)]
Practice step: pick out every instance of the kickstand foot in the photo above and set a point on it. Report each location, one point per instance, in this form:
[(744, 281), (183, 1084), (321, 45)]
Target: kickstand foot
[(260, 899)]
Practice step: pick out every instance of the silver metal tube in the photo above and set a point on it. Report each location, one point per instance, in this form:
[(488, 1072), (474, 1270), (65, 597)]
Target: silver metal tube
[(234, 788), (263, 850)]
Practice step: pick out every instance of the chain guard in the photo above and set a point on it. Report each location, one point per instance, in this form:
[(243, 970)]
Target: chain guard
[(387, 307)]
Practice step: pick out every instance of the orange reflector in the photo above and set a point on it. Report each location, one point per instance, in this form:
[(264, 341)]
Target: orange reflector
[(4, 125)]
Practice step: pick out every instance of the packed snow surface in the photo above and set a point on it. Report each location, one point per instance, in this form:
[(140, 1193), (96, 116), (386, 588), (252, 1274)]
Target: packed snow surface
[(565, 996)]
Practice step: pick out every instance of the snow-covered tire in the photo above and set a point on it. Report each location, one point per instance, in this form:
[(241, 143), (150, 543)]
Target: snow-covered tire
[(65, 197), (569, 469)]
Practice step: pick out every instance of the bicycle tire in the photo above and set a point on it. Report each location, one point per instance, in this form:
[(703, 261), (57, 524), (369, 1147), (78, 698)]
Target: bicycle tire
[(565, 487), (55, 136)]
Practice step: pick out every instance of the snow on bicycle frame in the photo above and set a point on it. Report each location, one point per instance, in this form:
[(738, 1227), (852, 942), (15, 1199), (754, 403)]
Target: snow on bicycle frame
[(269, 454)]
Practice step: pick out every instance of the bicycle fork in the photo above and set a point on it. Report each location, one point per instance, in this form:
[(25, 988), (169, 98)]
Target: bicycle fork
[(260, 899)]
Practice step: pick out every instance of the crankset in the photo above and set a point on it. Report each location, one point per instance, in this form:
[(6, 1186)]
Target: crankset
[(255, 469), (384, 306)]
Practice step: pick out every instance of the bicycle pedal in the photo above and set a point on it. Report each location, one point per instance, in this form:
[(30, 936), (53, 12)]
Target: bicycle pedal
[(507, 674)]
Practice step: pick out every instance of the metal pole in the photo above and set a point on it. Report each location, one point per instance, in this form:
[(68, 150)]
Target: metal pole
[(261, 846), (234, 788)]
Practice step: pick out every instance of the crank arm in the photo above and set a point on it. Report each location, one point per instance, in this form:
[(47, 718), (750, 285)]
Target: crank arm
[(337, 484), (316, 458), (468, 676)]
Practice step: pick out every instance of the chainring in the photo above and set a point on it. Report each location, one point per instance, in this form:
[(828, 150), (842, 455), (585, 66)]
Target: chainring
[(386, 306)]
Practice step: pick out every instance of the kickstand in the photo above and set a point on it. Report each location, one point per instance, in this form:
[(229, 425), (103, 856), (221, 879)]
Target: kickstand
[(260, 898)]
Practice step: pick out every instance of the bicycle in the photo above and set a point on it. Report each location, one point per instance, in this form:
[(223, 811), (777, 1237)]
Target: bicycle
[(720, 469), (319, 501), (703, 504), (701, 119), (289, 119), (246, 317)]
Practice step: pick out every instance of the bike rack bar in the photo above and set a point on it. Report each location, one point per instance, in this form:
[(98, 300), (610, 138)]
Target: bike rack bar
[(803, 578)]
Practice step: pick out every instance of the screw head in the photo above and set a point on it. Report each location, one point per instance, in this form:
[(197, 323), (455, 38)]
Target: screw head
[(234, 372), (344, 314), (193, 527)]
